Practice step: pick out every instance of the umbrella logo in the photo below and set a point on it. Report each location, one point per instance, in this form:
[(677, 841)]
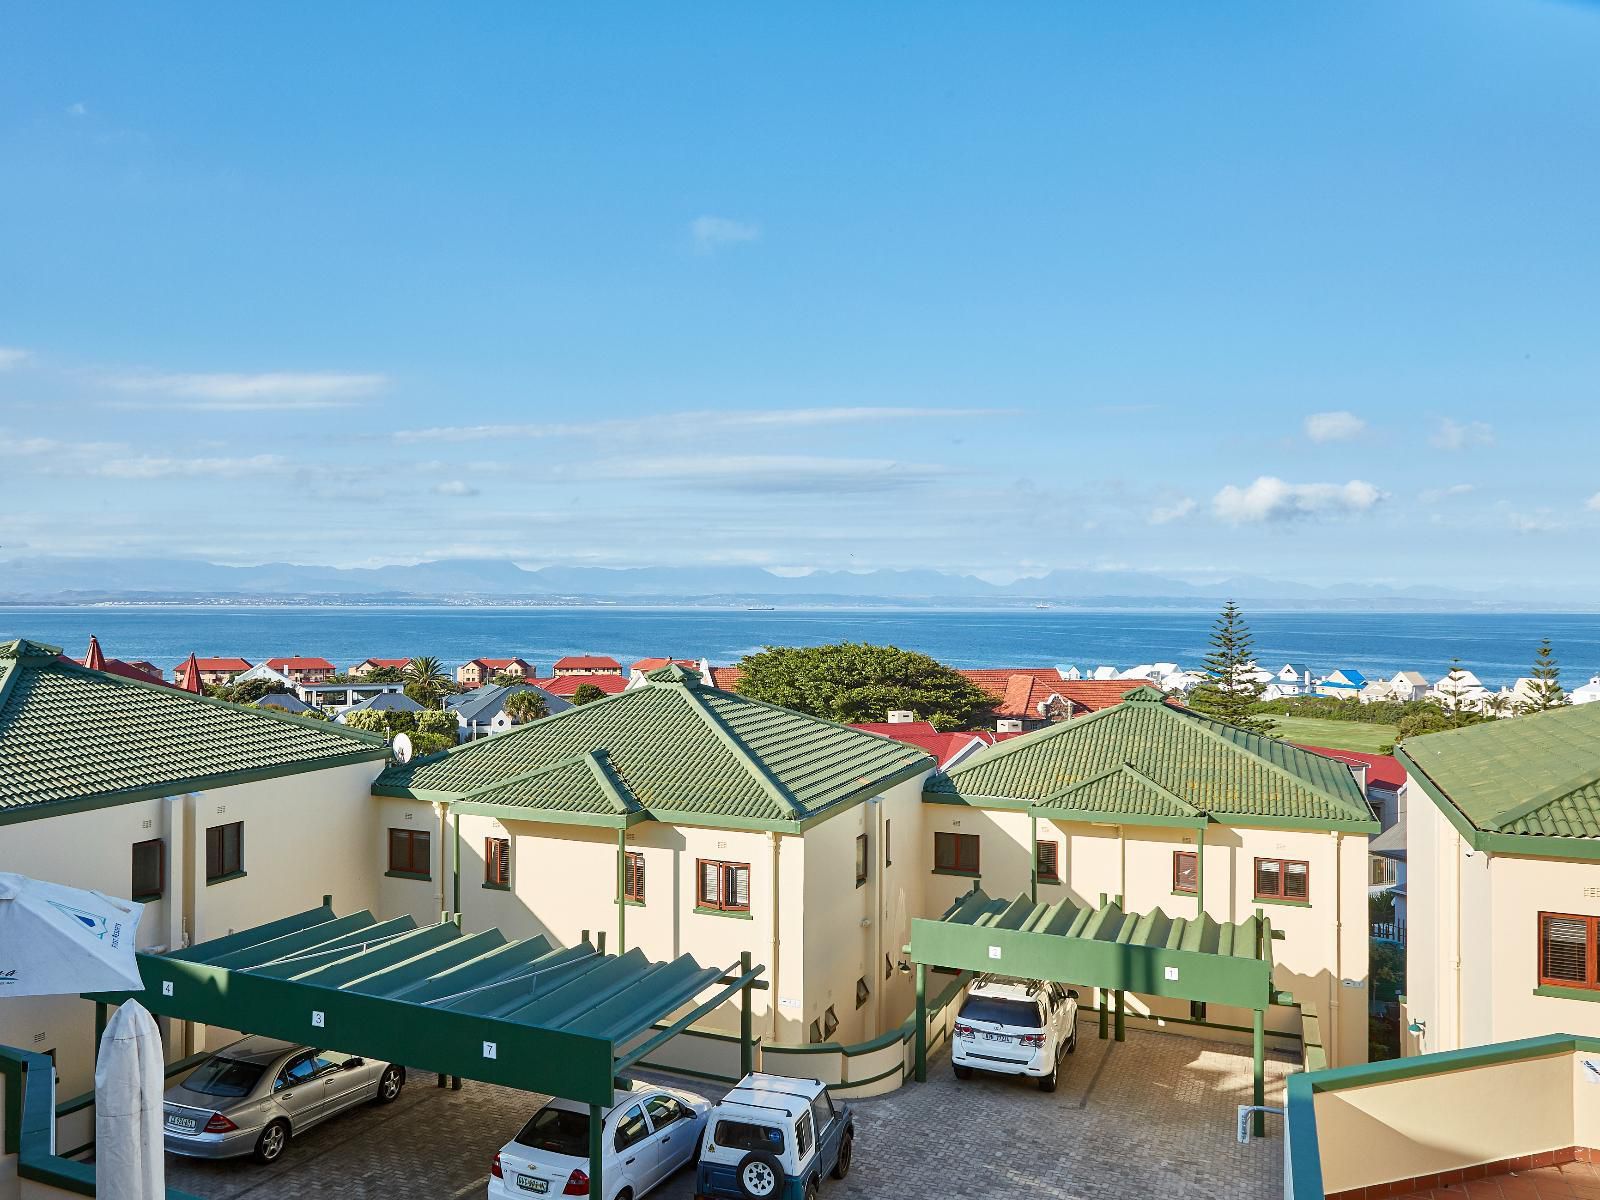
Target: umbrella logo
[(93, 922), (8, 977)]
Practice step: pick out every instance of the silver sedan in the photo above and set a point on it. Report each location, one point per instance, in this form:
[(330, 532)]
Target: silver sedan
[(253, 1096)]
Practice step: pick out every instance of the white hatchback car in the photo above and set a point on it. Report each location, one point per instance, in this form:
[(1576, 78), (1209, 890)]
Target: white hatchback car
[(648, 1134), (1015, 1027)]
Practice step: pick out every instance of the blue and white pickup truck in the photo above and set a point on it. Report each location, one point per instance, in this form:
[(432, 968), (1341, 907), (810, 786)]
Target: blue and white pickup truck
[(774, 1138)]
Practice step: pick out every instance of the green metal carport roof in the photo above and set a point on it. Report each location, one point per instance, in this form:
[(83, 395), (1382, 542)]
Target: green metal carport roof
[(520, 1013)]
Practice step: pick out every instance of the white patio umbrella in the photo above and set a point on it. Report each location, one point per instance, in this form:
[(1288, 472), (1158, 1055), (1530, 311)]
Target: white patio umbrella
[(128, 1159), (58, 941)]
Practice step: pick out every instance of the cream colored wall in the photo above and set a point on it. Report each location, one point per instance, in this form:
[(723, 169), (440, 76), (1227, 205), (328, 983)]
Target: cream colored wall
[(396, 896), (1516, 890), (1434, 1123), (301, 840)]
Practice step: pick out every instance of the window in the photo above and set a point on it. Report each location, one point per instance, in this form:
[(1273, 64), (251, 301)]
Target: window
[(1282, 879), (497, 862), (861, 859), (633, 877), (815, 1035), (224, 851), (822, 1110), (724, 886), (1567, 950), (888, 858), (1047, 861), (300, 1070), (830, 1022), (410, 853), (1186, 872), (862, 991), (631, 1129), (956, 852), (746, 1135), (149, 869), (803, 1136), (664, 1110)]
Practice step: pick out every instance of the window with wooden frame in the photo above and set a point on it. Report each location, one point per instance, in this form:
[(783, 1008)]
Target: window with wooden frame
[(149, 870), (723, 886), (957, 852), (1186, 872), (861, 859), (410, 853), (1567, 951), (863, 992), (224, 851), (1283, 879), (497, 862), (1047, 861), (633, 877)]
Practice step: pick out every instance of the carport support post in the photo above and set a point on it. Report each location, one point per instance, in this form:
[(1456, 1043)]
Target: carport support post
[(597, 1118), (1103, 1009), (1258, 1065), (922, 1023), (1122, 1026), (747, 1057), (622, 899), (455, 863), (99, 1029), (1033, 842)]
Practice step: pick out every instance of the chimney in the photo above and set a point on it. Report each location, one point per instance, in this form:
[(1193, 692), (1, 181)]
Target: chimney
[(901, 716), (1008, 725), (1359, 770)]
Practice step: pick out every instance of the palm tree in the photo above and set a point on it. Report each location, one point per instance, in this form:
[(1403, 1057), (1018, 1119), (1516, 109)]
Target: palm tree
[(527, 705), (1498, 705), (426, 680)]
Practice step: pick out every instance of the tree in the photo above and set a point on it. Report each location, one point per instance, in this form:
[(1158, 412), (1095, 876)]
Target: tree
[(1231, 690), (528, 705), (854, 682), (367, 720), (439, 722), (1453, 688), (248, 691), (1546, 692), (1497, 705), (426, 680), (506, 679), (384, 675), (584, 693)]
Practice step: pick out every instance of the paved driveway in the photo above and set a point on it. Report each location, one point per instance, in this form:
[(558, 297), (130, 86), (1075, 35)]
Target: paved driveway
[(1152, 1116)]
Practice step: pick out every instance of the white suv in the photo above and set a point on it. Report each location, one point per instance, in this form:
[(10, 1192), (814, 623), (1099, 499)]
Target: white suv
[(1014, 1027)]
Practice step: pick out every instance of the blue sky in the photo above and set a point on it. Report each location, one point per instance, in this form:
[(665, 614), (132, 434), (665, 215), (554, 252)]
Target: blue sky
[(1299, 290)]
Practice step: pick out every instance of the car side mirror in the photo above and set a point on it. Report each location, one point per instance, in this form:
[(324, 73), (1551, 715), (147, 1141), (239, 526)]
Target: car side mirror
[(1072, 994), (351, 1064)]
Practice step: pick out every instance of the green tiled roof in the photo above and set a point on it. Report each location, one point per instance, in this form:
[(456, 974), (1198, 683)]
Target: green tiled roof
[(668, 746), (1532, 776), (1146, 759), (72, 738)]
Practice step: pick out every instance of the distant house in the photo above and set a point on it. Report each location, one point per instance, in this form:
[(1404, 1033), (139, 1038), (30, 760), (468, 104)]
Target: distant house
[(482, 711), (266, 672), (586, 664), (368, 665), (481, 670), (213, 671), (1071, 673), (1383, 779), (1293, 679), (304, 670), (639, 670), (1402, 688), (1462, 689), (286, 701), (1037, 696), (565, 686), (1346, 684), (336, 697), (382, 702), (96, 660), (1588, 693), (946, 748), (724, 679)]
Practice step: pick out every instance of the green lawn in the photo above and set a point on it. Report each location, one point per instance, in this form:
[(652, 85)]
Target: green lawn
[(1336, 735)]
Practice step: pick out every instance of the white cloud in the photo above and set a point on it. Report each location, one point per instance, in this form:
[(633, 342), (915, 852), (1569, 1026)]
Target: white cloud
[(149, 466), (690, 424), (1173, 512), (80, 109), (11, 357), (1594, 503), (454, 487), (777, 474), (1434, 495), (234, 392), (1334, 426), (712, 232), (1271, 499), (1450, 434), (1535, 522)]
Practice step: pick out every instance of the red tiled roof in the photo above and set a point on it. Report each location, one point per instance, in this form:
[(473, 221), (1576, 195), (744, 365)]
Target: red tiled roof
[(655, 664), (565, 685), (587, 662), (726, 678), (499, 664), (995, 679), (922, 735), (299, 664), (143, 673), (222, 664), (1382, 769), (190, 678), (399, 664), (1020, 692)]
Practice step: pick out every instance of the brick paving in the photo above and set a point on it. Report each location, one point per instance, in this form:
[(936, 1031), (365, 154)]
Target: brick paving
[(1569, 1181), (1153, 1116)]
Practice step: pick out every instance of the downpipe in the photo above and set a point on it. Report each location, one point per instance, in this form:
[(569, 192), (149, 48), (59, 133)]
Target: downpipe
[(1246, 1111)]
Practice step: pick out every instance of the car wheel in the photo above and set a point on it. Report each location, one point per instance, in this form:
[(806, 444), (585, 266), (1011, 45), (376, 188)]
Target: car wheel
[(1047, 1083), (390, 1083), (841, 1166), (760, 1175), (963, 1072), (811, 1188), (274, 1140)]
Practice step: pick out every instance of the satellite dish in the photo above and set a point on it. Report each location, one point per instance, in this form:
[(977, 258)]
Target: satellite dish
[(401, 747)]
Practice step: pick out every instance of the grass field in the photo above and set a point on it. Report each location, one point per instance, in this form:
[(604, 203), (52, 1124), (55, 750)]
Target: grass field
[(1336, 735)]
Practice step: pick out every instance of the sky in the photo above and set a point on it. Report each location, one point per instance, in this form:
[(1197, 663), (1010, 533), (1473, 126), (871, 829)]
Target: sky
[(1305, 291)]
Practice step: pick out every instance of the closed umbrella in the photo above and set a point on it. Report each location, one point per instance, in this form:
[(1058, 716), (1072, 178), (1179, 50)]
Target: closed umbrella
[(59, 941), (128, 1162)]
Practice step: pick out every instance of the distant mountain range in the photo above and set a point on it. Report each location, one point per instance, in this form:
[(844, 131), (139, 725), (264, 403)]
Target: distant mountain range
[(47, 580)]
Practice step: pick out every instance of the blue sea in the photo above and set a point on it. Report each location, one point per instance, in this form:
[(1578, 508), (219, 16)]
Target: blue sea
[(1498, 646)]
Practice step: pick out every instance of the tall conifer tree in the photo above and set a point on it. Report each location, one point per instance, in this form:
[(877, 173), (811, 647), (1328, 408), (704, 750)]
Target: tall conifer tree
[(1231, 690), (1546, 692)]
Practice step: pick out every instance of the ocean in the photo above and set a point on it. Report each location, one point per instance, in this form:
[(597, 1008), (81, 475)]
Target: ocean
[(1498, 646)]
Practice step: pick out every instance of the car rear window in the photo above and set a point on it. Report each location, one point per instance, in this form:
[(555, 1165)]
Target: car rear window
[(1024, 1014), (225, 1077), (558, 1130), (744, 1135)]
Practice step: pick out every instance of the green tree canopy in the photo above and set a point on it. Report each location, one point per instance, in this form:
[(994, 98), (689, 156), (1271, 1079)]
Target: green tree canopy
[(1231, 690), (1546, 691), (426, 680), (248, 691), (438, 721), (585, 693), (854, 682), (527, 705), (384, 675)]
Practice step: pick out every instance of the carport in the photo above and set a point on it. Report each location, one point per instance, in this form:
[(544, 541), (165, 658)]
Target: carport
[(1152, 954), (481, 1006)]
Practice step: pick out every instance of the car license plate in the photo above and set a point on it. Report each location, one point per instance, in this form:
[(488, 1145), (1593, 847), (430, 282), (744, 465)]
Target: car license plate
[(532, 1183), (997, 1037), (182, 1124)]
